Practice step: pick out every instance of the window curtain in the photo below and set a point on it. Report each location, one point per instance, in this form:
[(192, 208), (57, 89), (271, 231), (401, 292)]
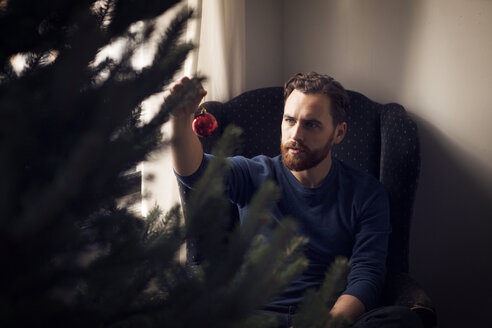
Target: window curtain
[(219, 33), (222, 48)]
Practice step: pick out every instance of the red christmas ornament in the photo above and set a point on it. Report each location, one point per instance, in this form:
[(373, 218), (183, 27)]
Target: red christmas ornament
[(204, 124)]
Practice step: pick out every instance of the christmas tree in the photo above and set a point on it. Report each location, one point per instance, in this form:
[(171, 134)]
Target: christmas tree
[(72, 253)]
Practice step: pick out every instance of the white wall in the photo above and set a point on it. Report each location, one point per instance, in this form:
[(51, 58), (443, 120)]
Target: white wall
[(433, 57), (264, 43)]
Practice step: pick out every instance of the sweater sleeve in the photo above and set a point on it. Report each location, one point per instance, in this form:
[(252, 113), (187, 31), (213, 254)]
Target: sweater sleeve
[(242, 178), (370, 249), (190, 180)]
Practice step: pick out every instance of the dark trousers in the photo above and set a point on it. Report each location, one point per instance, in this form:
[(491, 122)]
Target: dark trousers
[(383, 317)]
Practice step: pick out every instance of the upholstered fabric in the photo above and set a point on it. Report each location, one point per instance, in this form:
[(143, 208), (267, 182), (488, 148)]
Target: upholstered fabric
[(259, 113), (381, 140)]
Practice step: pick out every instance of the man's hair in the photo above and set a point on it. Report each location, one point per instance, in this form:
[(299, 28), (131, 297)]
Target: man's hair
[(313, 82)]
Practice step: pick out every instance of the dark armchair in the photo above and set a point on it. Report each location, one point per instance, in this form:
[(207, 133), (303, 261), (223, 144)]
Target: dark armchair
[(381, 140)]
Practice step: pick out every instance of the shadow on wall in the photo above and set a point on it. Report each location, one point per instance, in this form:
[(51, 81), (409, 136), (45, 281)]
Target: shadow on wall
[(451, 238)]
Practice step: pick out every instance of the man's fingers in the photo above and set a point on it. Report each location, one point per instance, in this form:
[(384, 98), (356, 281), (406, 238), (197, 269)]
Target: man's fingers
[(203, 93), (184, 79), (178, 83), (191, 104)]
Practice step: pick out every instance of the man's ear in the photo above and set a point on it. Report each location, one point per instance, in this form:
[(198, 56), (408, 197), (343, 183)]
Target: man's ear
[(340, 132)]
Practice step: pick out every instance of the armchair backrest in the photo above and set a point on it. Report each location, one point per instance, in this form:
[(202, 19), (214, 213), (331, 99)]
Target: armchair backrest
[(381, 140)]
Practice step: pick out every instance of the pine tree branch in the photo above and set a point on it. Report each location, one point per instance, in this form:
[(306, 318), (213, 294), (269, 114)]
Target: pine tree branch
[(314, 310), (130, 11), (173, 33)]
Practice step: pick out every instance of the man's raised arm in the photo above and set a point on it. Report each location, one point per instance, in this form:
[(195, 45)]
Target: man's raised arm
[(185, 147)]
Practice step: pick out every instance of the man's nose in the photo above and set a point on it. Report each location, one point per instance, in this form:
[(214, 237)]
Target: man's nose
[(297, 133)]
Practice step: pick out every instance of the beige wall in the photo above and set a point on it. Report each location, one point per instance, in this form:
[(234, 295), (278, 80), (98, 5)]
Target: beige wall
[(433, 57), (264, 43)]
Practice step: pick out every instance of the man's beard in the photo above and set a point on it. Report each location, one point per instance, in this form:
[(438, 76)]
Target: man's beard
[(307, 158)]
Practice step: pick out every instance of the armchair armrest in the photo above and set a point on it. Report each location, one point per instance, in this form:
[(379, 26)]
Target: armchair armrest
[(403, 290)]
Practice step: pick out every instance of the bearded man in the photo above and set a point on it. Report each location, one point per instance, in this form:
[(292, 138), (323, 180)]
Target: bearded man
[(342, 211)]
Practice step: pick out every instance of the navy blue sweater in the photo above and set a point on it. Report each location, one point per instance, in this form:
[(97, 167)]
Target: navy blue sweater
[(347, 215)]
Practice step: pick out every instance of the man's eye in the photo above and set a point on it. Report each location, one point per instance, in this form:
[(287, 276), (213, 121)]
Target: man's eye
[(289, 120), (311, 125)]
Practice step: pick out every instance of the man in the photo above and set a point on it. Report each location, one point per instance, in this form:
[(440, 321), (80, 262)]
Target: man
[(342, 211)]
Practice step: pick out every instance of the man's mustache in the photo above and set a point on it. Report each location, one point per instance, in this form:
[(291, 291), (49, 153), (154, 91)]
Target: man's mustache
[(295, 144)]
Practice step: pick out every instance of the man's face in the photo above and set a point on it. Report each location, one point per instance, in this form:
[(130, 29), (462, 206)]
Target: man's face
[(307, 130)]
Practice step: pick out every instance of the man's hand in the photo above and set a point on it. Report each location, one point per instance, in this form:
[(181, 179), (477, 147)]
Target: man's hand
[(192, 103), (185, 147), (349, 307)]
